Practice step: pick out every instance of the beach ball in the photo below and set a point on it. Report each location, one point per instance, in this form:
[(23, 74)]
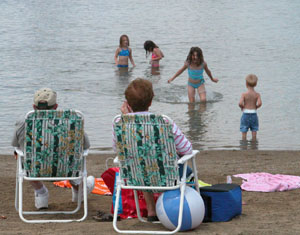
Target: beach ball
[(167, 209)]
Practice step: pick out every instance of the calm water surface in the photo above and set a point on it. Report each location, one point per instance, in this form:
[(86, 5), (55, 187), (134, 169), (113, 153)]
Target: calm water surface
[(69, 46)]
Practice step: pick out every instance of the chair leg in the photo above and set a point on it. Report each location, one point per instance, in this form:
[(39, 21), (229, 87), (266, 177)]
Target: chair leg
[(17, 192), (195, 174), (19, 196), (180, 213), (137, 206), (85, 206), (17, 184), (183, 178), (116, 208)]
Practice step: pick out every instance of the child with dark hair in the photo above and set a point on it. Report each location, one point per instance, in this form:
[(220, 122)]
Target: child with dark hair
[(124, 53), (196, 65), (139, 95), (157, 55)]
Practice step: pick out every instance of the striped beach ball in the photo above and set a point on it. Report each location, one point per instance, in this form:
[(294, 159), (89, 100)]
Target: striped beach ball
[(167, 209)]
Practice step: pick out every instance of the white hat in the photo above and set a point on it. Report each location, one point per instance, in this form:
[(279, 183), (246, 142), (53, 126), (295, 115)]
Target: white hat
[(45, 95)]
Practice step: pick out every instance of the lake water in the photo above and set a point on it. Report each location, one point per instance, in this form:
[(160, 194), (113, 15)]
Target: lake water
[(69, 46)]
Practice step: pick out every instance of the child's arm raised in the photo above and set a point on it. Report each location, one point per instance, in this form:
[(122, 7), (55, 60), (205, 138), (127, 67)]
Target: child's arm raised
[(259, 102), (209, 73), (178, 73), (242, 101), (116, 55), (130, 57)]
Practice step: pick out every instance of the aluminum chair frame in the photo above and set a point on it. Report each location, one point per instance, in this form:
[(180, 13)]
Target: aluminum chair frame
[(21, 176), (181, 185)]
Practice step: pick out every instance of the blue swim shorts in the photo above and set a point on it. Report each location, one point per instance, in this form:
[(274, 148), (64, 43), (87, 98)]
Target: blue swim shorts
[(249, 120), (122, 65)]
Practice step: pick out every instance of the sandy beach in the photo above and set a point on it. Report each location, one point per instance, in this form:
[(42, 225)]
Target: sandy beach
[(263, 213)]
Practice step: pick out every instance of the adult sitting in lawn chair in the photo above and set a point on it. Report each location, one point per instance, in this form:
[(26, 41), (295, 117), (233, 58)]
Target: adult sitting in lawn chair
[(139, 95), (45, 99)]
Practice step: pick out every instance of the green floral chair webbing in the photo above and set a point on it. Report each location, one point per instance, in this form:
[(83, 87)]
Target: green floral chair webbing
[(146, 150), (53, 143)]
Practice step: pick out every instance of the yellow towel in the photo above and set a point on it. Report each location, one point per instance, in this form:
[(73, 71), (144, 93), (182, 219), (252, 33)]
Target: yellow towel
[(203, 184)]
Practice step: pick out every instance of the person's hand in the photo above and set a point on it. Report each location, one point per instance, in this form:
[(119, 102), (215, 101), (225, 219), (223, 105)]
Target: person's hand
[(215, 80), (170, 80), (16, 155), (125, 108)]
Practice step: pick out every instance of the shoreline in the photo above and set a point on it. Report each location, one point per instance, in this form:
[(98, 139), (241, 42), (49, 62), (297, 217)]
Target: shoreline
[(263, 213), (109, 151)]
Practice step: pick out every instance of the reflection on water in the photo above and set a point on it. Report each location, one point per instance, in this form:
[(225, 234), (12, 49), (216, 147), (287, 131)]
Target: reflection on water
[(153, 75), (178, 94), (123, 77), (155, 71), (196, 124), (124, 72), (248, 144), (69, 46)]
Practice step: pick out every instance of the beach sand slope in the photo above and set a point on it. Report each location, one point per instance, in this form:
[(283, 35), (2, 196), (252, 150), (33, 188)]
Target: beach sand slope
[(263, 213)]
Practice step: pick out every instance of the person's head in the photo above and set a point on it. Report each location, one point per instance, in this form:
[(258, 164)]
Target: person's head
[(124, 41), (139, 94), (195, 56), (149, 46), (251, 80), (44, 98)]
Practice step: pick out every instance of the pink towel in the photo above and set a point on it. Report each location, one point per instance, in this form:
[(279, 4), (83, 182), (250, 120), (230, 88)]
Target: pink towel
[(265, 182)]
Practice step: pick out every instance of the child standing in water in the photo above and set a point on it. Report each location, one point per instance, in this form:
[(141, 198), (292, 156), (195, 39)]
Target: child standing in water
[(196, 65), (157, 54), (123, 52), (249, 102)]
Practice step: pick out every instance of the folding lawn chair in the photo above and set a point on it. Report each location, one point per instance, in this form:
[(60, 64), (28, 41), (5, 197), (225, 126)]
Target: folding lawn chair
[(146, 155), (53, 150)]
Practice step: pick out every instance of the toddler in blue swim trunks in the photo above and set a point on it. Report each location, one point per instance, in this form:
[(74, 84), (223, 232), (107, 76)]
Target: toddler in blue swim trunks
[(249, 102)]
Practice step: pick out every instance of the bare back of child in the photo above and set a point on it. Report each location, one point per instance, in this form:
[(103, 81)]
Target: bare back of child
[(250, 101)]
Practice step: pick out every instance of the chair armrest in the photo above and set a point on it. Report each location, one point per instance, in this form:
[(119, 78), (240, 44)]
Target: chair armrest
[(187, 157), (19, 152), (85, 152)]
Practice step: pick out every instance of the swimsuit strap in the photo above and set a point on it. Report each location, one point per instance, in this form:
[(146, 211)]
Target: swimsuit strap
[(202, 65)]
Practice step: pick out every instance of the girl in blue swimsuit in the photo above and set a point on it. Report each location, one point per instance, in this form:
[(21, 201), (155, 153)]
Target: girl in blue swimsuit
[(123, 52), (196, 65)]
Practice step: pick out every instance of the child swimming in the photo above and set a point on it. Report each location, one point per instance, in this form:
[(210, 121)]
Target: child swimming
[(157, 55), (123, 52), (196, 65)]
